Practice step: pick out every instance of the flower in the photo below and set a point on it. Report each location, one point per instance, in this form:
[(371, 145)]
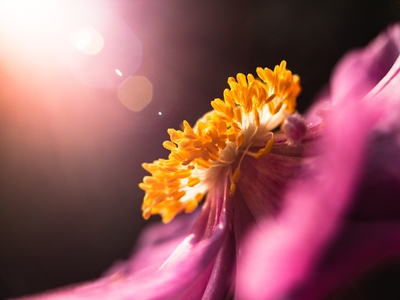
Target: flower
[(224, 154), (310, 204)]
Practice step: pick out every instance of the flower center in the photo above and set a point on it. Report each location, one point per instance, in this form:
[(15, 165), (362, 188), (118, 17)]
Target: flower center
[(245, 118)]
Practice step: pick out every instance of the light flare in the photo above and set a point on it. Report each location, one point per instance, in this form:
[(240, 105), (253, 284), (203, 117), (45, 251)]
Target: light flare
[(88, 40), (136, 92)]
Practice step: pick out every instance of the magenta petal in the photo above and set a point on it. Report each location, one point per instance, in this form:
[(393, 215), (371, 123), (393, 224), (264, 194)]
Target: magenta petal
[(155, 245), (289, 244), (263, 181), (167, 283), (352, 250), (222, 276), (378, 193), (381, 174), (198, 265), (192, 260), (361, 70)]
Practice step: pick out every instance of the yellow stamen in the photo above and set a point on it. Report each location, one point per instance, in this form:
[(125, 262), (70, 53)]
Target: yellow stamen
[(250, 108)]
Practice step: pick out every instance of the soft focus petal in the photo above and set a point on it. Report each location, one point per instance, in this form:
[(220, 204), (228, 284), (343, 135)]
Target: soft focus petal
[(222, 277), (358, 245), (378, 194), (360, 70), (375, 199), (155, 244), (185, 272), (167, 283), (264, 180), (316, 204), (288, 245)]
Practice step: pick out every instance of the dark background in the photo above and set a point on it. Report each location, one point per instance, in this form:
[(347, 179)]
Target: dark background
[(71, 153)]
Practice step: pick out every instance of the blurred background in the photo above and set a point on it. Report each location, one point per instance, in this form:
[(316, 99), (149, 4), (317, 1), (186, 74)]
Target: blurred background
[(89, 88)]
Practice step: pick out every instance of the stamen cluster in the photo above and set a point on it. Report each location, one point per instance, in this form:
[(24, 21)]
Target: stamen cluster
[(251, 108)]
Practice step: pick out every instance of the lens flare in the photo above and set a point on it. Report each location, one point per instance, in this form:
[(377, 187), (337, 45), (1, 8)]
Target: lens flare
[(88, 40), (136, 92), (115, 52)]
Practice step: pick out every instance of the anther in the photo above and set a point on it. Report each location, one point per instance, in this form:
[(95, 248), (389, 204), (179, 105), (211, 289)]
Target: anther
[(232, 190)]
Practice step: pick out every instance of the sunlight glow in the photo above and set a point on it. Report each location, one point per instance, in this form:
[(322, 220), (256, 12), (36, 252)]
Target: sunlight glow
[(34, 14), (88, 38)]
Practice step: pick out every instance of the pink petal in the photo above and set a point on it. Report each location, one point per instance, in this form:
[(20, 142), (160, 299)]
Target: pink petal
[(155, 244), (281, 258), (264, 180), (186, 271), (360, 70), (289, 244), (358, 245)]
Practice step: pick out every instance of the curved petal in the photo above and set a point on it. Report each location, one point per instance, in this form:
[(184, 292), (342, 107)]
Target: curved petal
[(351, 252), (222, 277), (361, 70), (155, 244), (167, 283), (378, 193), (314, 204), (291, 245), (264, 180), (187, 270), (381, 179)]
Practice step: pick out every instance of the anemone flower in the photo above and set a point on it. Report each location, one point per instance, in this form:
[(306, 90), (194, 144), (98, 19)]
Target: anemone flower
[(294, 205)]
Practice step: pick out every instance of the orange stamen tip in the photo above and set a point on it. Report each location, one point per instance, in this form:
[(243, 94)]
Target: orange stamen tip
[(236, 175), (232, 189)]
